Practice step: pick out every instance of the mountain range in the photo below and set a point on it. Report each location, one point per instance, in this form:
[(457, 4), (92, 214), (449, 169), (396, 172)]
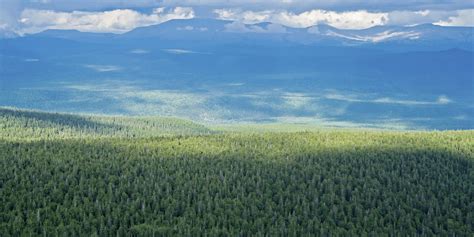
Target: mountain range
[(426, 36)]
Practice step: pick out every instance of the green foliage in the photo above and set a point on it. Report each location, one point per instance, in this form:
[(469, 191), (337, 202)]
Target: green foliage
[(27, 125), (333, 182)]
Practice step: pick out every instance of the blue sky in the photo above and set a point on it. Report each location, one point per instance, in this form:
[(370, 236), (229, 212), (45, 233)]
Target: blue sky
[(119, 16)]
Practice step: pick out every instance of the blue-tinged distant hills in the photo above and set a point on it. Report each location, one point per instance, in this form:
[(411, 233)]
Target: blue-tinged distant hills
[(426, 36), (222, 71)]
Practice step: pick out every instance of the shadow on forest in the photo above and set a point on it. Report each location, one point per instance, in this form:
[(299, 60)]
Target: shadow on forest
[(68, 120), (356, 187), (228, 147)]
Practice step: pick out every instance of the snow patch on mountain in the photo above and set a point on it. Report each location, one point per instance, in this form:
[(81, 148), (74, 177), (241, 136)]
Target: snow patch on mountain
[(378, 37)]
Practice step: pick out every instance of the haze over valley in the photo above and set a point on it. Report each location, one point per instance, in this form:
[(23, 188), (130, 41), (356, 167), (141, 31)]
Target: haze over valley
[(222, 71)]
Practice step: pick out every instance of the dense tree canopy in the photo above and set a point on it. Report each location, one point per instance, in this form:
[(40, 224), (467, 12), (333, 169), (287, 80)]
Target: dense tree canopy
[(111, 181)]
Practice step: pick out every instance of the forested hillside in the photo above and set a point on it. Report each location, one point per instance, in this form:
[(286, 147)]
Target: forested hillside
[(68, 175), (24, 124)]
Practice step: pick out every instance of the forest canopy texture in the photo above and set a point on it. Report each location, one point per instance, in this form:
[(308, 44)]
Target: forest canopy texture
[(69, 175)]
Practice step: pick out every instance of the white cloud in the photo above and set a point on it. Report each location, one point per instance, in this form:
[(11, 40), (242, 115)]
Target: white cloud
[(360, 19), (103, 68), (248, 17), (63, 14), (15, 20), (114, 21), (463, 18), (344, 20)]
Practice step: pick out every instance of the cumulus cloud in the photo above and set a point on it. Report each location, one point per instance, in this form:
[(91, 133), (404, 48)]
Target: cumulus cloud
[(114, 21), (360, 19), (463, 18), (344, 20)]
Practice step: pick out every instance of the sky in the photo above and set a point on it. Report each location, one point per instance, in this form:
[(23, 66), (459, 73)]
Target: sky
[(20, 17)]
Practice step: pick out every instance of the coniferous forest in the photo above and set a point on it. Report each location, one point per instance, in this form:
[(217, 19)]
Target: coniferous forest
[(72, 175)]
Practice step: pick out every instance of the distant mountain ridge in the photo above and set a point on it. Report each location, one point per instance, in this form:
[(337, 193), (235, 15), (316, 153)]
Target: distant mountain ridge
[(223, 30)]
